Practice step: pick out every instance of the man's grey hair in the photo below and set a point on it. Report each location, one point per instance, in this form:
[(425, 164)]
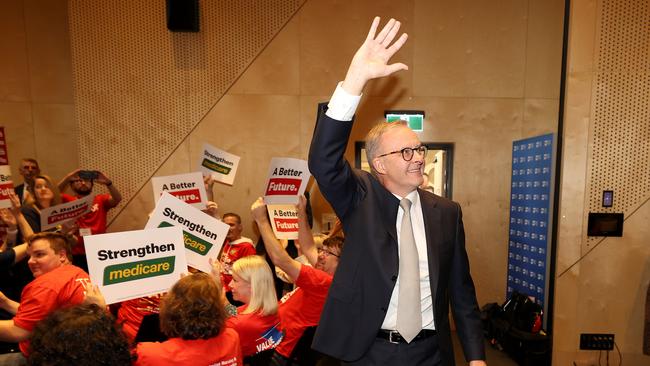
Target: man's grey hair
[(373, 139)]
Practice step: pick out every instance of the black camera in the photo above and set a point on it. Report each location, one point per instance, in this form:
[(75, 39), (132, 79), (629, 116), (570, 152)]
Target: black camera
[(88, 174)]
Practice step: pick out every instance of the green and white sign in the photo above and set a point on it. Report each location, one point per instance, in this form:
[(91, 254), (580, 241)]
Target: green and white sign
[(203, 235), (132, 264), (221, 165)]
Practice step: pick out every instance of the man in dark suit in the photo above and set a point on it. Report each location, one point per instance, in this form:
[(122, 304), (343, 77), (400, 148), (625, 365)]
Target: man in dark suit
[(405, 247), (29, 169)]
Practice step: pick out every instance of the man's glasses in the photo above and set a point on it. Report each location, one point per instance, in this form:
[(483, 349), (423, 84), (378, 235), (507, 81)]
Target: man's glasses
[(408, 152), (327, 252)]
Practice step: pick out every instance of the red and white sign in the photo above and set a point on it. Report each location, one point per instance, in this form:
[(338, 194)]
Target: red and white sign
[(4, 157), (57, 215), (288, 179), (188, 188), (6, 186), (284, 220)]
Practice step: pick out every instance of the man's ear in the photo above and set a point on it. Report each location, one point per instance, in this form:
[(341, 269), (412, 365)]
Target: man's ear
[(63, 256), (378, 165)]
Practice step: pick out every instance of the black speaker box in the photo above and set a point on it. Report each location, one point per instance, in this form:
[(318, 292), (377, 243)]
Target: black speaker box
[(183, 15)]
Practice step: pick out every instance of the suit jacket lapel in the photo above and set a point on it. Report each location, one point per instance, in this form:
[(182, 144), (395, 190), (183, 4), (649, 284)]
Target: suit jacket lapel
[(432, 226)]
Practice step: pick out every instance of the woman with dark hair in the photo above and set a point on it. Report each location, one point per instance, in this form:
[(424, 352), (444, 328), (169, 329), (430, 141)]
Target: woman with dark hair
[(83, 335), (192, 315)]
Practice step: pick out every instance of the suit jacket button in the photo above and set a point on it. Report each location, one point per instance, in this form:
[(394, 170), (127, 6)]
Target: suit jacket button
[(383, 309), (394, 278)]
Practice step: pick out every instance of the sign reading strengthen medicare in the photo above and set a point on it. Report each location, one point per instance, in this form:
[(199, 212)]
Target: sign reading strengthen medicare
[(221, 165), (288, 178), (284, 220), (132, 264), (6, 186), (57, 215), (188, 188), (203, 235)]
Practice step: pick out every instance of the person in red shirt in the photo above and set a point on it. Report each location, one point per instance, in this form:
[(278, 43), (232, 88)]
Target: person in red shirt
[(131, 313), (302, 307), (235, 247), (257, 320), (193, 316), (57, 284), (82, 182)]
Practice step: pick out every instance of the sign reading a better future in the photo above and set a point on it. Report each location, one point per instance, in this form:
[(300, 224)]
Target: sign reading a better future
[(6, 186), (288, 178), (203, 235), (132, 264), (59, 214), (188, 188)]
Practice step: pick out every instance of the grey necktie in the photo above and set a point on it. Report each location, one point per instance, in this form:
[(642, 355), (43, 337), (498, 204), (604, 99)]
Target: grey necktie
[(409, 312)]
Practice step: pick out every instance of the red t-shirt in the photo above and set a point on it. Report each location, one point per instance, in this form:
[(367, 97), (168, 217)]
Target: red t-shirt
[(222, 350), (59, 288), (95, 220), (230, 252), (301, 308), (257, 333), (132, 311)]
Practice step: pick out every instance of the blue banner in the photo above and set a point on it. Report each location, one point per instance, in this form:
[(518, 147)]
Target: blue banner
[(530, 208)]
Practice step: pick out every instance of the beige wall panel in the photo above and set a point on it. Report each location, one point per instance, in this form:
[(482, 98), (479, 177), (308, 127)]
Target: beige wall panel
[(601, 282), (48, 48), (543, 54), (470, 49), (331, 32), (141, 89), (55, 131), (613, 290), (540, 117), (256, 128), (582, 36), (14, 65), (276, 69), (134, 214), (16, 118)]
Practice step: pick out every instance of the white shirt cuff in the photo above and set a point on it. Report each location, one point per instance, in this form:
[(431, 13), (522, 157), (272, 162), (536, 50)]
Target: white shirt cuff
[(342, 105)]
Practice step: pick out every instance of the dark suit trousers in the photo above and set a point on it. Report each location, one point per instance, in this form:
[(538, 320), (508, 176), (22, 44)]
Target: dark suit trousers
[(423, 352)]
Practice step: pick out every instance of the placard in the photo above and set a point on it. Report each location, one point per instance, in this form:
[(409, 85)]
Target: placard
[(132, 264), (203, 235), (288, 178), (221, 165), (284, 221), (188, 188), (57, 215), (4, 157), (6, 186)]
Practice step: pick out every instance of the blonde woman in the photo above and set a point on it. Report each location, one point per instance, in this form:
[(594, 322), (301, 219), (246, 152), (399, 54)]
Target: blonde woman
[(43, 194), (257, 320)]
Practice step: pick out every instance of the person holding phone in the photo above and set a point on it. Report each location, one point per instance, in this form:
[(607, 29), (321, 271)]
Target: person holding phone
[(82, 182)]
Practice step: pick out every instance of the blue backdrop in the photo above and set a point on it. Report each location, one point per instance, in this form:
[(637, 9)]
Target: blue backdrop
[(530, 207)]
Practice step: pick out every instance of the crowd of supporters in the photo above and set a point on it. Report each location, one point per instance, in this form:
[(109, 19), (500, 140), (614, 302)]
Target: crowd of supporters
[(52, 315)]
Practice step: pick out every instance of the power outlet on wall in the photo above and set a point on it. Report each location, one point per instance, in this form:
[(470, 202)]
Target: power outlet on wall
[(597, 341)]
